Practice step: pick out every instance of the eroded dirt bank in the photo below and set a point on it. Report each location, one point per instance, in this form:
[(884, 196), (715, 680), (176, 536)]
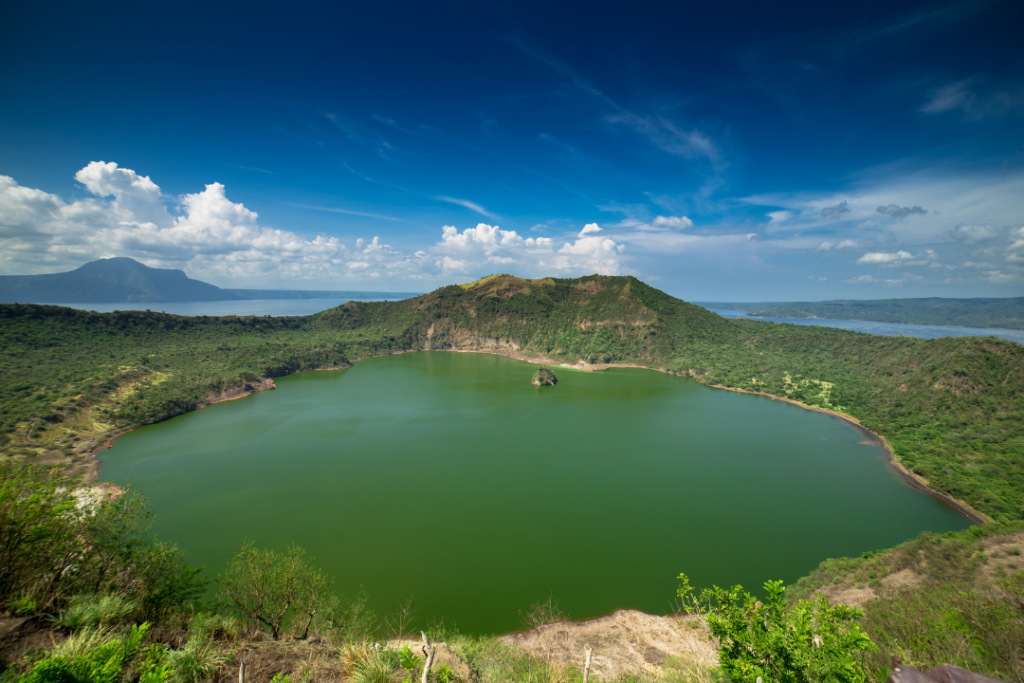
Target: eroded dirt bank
[(625, 641)]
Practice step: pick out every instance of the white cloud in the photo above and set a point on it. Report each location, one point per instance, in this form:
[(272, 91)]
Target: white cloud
[(897, 211), (868, 280), (835, 211), (1017, 235), (780, 216), (591, 252), (210, 237), (488, 245), (472, 206), (844, 244), (972, 234), (659, 224), (676, 222), (884, 258)]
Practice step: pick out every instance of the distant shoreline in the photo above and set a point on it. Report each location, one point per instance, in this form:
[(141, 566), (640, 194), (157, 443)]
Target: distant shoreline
[(914, 481)]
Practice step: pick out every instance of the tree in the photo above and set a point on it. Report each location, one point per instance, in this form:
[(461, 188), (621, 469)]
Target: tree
[(39, 523), (275, 590), (812, 642), (57, 541)]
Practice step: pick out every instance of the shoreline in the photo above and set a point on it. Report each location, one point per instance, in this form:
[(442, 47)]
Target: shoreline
[(912, 480)]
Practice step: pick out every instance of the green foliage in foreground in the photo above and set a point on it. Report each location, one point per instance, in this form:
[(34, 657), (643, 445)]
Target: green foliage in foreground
[(96, 657), (288, 592), (808, 642), (57, 543)]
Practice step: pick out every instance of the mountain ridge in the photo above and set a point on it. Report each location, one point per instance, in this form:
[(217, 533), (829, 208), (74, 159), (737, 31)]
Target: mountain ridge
[(1007, 313), (125, 280)]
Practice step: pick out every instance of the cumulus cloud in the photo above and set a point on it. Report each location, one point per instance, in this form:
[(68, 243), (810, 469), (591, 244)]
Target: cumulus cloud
[(1015, 250), (659, 224), (897, 211), (835, 211), (207, 234), (843, 244), (210, 236), (972, 234), (489, 245), (882, 258), (598, 253), (676, 222)]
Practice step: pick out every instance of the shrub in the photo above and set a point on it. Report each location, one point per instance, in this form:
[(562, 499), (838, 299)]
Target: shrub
[(811, 642), (197, 661), (543, 612), (276, 591), (90, 656)]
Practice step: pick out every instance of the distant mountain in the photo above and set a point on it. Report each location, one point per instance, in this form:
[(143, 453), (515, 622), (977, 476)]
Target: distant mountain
[(1002, 313), (109, 281), (126, 281)]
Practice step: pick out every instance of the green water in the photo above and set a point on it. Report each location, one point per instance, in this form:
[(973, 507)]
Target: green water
[(449, 477)]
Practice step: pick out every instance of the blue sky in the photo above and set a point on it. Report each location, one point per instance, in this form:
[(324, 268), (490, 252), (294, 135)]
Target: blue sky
[(727, 152)]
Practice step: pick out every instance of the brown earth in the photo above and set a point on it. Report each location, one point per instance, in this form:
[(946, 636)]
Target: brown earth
[(626, 641)]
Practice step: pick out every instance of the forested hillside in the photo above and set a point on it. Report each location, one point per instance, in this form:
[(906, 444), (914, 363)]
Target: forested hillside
[(952, 408), (1007, 313)]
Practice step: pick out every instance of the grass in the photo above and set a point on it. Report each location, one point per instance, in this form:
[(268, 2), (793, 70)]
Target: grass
[(955, 599)]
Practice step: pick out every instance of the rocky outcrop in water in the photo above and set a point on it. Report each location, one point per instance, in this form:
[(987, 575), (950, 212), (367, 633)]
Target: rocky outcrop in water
[(544, 377)]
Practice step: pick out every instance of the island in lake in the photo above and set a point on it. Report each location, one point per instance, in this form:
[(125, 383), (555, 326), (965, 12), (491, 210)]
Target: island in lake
[(544, 377)]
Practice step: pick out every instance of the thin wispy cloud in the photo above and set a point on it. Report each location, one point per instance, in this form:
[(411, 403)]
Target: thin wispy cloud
[(974, 100), (252, 168), (332, 209), (563, 69), (662, 132), (472, 206)]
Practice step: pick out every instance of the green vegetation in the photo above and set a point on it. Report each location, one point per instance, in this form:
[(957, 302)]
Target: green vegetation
[(1008, 313), (953, 410), (951, 599), (58, 545), (276, 592), (810, 641)]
